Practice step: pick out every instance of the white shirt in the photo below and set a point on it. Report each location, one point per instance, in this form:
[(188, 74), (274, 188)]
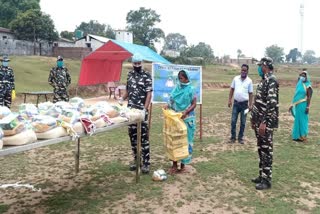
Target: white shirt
[(242, 88)]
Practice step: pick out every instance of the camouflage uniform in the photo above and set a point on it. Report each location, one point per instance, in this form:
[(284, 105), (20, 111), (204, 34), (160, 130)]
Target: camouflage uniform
[(138, 85), (6, 86), (59, 79), (266, 110)]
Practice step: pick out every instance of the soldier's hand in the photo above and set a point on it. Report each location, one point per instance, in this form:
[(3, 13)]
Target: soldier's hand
[(252, 124), (262, 129)]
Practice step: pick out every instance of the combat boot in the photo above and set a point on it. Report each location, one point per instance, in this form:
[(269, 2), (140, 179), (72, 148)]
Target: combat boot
[(265, 184), (256, 180)]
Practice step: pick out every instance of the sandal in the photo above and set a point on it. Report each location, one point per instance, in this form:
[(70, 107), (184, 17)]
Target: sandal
[(173, 170), (184, 170)]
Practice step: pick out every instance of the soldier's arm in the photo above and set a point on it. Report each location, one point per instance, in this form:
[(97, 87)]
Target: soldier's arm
[(271, 101), (11, 79), (68, 78), (51, 79)]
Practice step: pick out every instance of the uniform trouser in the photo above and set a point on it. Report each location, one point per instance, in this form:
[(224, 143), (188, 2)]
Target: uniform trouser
[(265, 151), (60, 95), (145, 147), (5, 99)]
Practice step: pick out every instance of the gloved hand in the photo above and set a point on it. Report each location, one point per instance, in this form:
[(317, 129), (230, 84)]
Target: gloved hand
[(13, 94), (120, 101)]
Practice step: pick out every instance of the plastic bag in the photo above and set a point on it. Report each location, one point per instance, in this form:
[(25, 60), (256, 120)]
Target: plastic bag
[(175, 135), (43, 123)]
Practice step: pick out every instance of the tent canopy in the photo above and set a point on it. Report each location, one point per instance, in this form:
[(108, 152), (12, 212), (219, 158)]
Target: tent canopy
[(105, 64)]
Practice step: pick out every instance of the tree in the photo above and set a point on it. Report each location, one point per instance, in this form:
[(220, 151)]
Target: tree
[(96, 28), (275, 52), (67, 35), (309, 57), (33, 25), (200, 50), (174, 41), (11, 8), (293, 55), (141, 23)]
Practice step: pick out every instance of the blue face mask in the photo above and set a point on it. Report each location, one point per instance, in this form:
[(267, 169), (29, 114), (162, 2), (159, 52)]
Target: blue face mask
[(260, 72), (302, 79), (60, 64), (5, 64)]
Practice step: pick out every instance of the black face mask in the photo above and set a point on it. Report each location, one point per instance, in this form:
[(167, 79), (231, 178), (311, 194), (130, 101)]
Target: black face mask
[(137, 69)]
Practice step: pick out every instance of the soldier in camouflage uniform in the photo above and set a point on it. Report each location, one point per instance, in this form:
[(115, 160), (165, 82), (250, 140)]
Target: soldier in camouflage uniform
[(139, 89), (264, 119), (6, 82), (59, 79)]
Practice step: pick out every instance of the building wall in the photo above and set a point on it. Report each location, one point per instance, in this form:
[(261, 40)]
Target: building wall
[(93, 44), (71, 52), (124, 36), (4, 36), (21, 47)]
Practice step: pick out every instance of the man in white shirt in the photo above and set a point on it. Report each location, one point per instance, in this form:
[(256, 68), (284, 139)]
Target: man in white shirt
[(241, 88)]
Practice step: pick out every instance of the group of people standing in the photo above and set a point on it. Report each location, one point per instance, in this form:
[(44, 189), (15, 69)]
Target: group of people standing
[(264, 110)]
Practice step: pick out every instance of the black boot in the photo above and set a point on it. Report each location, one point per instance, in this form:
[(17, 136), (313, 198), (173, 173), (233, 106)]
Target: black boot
[(256, 180), (265, 184)]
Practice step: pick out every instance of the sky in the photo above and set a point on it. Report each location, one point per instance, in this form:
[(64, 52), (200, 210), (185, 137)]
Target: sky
[(226, 25)]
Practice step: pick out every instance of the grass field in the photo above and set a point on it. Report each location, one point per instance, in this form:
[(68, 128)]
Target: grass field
[(219, 177)]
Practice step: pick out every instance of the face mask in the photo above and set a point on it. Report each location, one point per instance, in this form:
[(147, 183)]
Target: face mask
[(244, 75), (260, 72), (60, 64), (302, 79), (5, 64), (138, 69)]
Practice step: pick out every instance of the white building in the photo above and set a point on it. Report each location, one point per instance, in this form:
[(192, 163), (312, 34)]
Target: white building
[(124, 36), (63, 42), (91, 41), (6, 34)]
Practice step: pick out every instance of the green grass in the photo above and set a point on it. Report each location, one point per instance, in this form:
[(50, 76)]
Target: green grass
[(221, 182)]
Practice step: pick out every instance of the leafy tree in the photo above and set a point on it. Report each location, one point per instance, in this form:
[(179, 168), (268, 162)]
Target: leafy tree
[(33, 25), (309, 57), (67, 35), (174, 41), (141, 23), (109, 32), (199, 50), (96, 28), (11, 8), (293, 55), (275, 52)]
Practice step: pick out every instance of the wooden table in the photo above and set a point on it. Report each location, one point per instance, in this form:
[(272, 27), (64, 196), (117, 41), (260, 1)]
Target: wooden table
[(7, 150), (38, 94)]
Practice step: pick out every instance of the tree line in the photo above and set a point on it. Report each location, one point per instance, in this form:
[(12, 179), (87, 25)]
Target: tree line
[(28, 22)]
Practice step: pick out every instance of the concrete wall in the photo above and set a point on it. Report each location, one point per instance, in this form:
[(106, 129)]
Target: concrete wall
[(71, 52), (94, 44), (21, 47), (4, 35)]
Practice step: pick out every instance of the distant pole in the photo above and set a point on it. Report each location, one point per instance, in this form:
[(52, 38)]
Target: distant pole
[(301, 26)]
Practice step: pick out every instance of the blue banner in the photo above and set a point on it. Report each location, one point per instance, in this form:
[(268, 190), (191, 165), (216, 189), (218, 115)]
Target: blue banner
[(164, 79)]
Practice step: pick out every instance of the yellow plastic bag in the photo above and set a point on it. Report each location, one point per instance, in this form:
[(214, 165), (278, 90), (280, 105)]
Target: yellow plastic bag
[(175, 136), (13, 94)]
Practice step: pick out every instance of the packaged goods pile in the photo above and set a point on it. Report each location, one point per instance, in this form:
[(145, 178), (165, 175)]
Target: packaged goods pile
[(54, 120)]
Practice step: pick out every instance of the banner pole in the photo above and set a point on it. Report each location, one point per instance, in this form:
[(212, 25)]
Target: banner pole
[(200, 122)]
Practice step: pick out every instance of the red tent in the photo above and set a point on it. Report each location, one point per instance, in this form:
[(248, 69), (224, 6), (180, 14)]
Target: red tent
[(103, 65)]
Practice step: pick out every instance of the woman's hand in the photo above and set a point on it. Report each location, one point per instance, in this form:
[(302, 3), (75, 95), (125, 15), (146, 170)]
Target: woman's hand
[(184, 114), (290, 108), (166, 106), (307, 110)]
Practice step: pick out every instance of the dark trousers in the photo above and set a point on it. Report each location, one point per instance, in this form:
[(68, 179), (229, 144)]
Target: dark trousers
[(238, 108), (5, 99), (265, 152), (145, 147)]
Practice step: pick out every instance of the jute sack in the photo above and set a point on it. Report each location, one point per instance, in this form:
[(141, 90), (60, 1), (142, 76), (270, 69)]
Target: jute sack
[(22, 138), (78, 127), (100, 123), (53, 133)]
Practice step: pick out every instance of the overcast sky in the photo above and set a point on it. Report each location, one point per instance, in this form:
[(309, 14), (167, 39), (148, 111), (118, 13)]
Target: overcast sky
[(226, 25)]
